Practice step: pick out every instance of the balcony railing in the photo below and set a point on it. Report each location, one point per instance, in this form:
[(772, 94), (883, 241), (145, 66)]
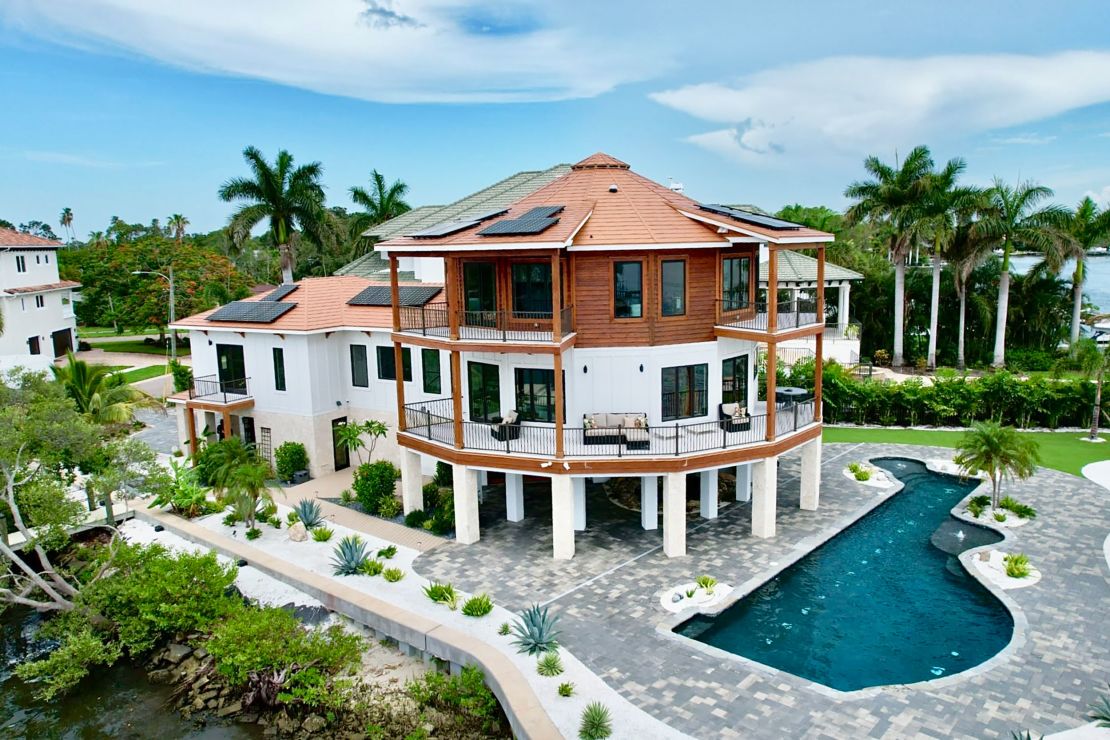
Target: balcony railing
[(792, 314), (433, 421), (851, 330), (434, 320), (211, 389)]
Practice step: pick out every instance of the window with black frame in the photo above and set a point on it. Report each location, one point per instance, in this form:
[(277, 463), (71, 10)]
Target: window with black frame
[(484, 390), (429, 364), (387, 364), (628, 290), (535, 394), (360, 376), (735, 279), (734, 380), (531, 290), (685, 392), (673, 289)]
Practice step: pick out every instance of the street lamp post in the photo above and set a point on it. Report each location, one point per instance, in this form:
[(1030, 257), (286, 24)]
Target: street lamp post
[(168, 279)]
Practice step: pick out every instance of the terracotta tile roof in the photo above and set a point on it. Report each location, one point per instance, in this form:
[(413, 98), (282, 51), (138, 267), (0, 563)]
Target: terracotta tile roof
[(13, 238), (321, 305), (794, 267), (60, 285), (624, 208)]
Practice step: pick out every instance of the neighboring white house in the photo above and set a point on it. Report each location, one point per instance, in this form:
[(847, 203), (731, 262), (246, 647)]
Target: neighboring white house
[(36, 306)]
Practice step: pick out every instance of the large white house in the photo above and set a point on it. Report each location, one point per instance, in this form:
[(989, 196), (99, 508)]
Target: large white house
[(36, 306)]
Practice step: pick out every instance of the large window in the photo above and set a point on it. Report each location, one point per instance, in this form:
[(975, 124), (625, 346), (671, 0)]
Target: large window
[(279, 369), (387, 367), (484, 386), (531, 289), (672, 275), (429, 366), (735, 279), (685, 392), (360, 375), (628, 290), (33, 346), (480, 286), (20, 263), (734, 380), (535, 394)]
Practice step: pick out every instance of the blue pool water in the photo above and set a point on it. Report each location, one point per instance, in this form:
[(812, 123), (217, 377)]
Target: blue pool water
[(884, 602)]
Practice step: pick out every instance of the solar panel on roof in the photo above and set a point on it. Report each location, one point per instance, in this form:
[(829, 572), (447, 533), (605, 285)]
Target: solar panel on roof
[(409, 295), (533, 221), (280, 293), (542, 212), (252, 312), (752, 218), (487, 215), (443, 229)]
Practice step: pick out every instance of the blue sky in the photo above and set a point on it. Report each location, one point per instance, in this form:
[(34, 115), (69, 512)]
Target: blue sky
[(140, 108)]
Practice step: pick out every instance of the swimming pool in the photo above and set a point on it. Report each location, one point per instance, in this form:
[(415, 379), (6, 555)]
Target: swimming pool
[(883, 602)]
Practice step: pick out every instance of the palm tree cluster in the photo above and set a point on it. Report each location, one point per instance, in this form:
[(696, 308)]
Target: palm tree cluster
[(921, 207), (101, 395)]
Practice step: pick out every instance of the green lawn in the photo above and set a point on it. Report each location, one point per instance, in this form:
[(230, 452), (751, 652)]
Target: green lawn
[(92, 332), (137, 346), (134, 375), (1063, 451)]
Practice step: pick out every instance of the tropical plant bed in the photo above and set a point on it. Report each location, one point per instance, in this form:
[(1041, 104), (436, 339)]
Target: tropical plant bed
[(993, 568), (868, 475), (690, 596), (990, 515)]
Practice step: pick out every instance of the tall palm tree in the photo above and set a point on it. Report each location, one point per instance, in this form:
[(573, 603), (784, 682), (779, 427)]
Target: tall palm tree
[(291, 199), (1088, 228), (1014, 221), (966, 251), (894, 197), (1094, 362), (178, 225), (247, 488), (66, 221), (381, 204), (97, 239), (998, 451), (100, 394)]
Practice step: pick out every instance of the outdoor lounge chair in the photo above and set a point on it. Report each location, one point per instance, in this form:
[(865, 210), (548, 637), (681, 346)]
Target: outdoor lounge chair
[(628, 429), (734, 417), (506, 429)]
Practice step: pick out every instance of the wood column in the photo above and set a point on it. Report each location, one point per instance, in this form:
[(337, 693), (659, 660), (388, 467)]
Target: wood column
[(456, 396), (394, 293), (556, 300), (452, 275), (191, 427), (559, 421), (772, 382), (228, 431), (772, 288)]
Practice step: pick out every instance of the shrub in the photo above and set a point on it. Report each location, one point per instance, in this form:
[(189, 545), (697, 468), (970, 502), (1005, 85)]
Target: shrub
[(863, 474), (442, 593), (350, 554), (389, 507), (975, 508), (346, 497), (275, 522), (465, 695), (535, 631), (393, 574), (309, 512), (430, 495), (999, 516), (387, 552), (982, 500), (374, 482), (231, 519), (185, 495), (254, 533), (597, 722), (321, 533), (290, 457), (566, 689), (707, 583), (1020, 510), (372, 567), (504, 629), (444, 476), (549, 664), (854, 467), (65, 666), (182, 376), (416, 518), (477, 606), (292, 518), (270, 639), (690, 592), (1017, 565)]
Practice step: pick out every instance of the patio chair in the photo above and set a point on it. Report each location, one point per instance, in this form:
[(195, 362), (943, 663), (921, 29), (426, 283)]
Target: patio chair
[(506, 429), (734, 417)]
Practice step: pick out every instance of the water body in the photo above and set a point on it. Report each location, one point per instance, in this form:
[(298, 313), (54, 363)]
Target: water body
[(884, 602), (115, 703), (1098, 276)]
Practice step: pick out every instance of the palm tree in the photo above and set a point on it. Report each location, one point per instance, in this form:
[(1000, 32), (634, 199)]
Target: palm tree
[(1013, 221), (290, 199), (1089, 228), (1094, 363), (384, 203), (217, 463), (894, 198), (66, 221), (967, 250), (99, 393), (177, 224), (97, 239), (247, 488), (998, 451)]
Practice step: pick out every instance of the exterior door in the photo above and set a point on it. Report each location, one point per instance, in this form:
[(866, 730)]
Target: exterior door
[(339, 450), (480, 293), (63, 341), (231, 368), (248, 429), (734, 380), (484, 386)]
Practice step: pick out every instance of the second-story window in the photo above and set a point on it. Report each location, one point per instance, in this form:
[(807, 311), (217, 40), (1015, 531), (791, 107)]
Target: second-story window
[(360, 374), (429, 365), (735, 278), (20, 263), (40, 301), (387, 366), (672, 275), (628, 290), (279, 369), (531, 289)]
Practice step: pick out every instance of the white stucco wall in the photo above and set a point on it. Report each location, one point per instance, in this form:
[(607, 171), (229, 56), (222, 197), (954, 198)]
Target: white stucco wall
[(23, 318)]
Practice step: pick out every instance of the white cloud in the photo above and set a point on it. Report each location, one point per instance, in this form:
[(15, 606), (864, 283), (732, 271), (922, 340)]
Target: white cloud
[(81, 160), (1025, 139), (1102, 197), (380, 50), (857, 105)]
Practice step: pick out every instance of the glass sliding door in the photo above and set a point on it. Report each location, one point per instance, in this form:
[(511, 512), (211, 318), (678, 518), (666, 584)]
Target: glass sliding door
[(735, 283), (535, 394), (231, 368), (480, 293), (734, 380), (685, 392), (531, 290), (484, 387)]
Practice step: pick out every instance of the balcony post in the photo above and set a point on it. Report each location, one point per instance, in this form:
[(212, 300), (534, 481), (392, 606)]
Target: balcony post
[(452, 297), (559, 402), (772, 383), (191, 427), (772, 289), (456, 397), (556, 299), (394, 293)]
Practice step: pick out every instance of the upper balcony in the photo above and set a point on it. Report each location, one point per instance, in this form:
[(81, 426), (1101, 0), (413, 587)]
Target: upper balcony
[(436, 320), (759, 320), (211, 391)]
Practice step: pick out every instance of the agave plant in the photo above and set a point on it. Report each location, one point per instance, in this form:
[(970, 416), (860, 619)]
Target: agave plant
[(309, 513), (597, 722), (535, 631), (350, 554), (707, 583)]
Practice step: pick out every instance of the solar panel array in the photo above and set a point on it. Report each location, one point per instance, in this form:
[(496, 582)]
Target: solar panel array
[(534, 221), (409, 295), (758, 219), (252, 312), (281, 292), (454, 226)]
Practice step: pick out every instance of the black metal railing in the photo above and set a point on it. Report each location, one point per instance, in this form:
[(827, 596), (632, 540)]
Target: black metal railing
[(211, 388), (432, 420), (684, 404), (792, 314), (434, 320)]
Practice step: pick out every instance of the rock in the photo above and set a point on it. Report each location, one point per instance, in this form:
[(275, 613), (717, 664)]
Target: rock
[(270, 731), (675, 598), (161, 676), (249, 718), (188, 666), (314, 723), (233, 708), (198, 704), (287, 725), (298, 532), (208, 695), (200, 653), (175, 652)]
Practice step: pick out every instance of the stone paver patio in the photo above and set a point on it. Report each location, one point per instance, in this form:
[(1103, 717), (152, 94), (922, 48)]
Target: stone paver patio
[(608, 596)]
